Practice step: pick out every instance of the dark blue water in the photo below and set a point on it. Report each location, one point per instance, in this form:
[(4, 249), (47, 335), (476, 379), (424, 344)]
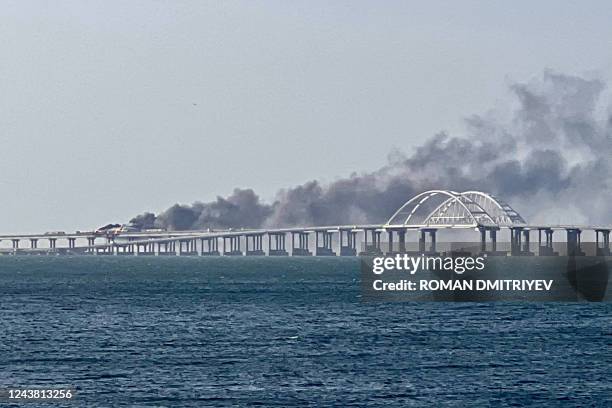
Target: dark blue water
[(284, 332)]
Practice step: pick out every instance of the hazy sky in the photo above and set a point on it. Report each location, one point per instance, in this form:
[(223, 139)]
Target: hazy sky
[(108, 109)]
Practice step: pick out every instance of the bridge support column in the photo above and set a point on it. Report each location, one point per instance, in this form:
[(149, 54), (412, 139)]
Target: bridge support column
[(526, 247), (547, 248), (602, 246), (256, 247), (423, 241), (493, 237), (515, 240), (573, 242), (145, 248), (401, 246), (483, 239), (276, 244), (91, 241), (33, 243), (303, 248), (108, 249), (211, 248), (187, 247), (234, 246), (71, 243), (326, 249), (432, 240), (402, 240), (164, 249), (121, 249), (126, 248), (169, 248), (137, 249), (350, 249), (374, 247), (52, 243)]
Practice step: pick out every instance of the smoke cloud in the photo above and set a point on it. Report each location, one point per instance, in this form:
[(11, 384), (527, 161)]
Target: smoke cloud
[(550, 158)]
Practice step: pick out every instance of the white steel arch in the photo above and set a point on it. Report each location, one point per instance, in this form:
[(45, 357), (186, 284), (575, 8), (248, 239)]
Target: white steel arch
[(450, 209)]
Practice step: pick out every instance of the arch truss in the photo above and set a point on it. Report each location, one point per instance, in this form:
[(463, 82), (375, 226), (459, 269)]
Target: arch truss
[(450, 209)]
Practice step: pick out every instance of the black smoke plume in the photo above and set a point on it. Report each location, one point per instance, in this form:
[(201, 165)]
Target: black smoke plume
[(551, 159), (241, 209)]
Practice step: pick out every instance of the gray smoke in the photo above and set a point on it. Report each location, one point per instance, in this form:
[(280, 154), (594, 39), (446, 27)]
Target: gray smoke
[(241, 209), (551, 159)]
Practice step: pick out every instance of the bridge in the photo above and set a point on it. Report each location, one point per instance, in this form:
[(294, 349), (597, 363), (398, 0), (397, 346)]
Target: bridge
[(425, 215)]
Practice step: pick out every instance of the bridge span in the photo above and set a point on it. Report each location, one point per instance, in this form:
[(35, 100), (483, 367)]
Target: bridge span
[(423, 217)]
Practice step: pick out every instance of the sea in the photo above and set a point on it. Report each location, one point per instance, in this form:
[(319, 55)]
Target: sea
[(283, 332)]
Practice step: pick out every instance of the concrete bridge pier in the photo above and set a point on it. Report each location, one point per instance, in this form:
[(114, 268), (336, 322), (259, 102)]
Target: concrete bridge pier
[(234, 246), (401, 238), (326, 249), (33, 243), (350, 249), (187, 247), (423, 241), (256, 248), (211, 248), (573, 242), (483, 239), (515, 240), (401, 234), (526, 250), (547, 248), (165, 248), (52, 243), (303, 247), (371, 247), (15, 244), (276, 244), (145, 248), (493, 237), (91, 241), (603, 246), (71, 243), (128, 249), (125, 249), (108, 249)]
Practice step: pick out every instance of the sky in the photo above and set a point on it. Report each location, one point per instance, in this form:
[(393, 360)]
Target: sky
[(109, 108)]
